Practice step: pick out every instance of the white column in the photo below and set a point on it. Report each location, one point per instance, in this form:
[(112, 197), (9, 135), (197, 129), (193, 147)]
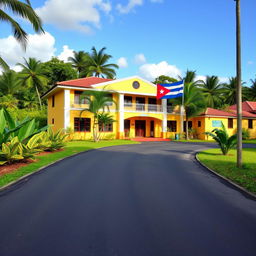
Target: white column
[(66, 108), (164, 122), (121, 112)]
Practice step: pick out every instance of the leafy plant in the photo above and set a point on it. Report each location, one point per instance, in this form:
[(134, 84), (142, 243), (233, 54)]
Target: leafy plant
[(225, 141), (245, 134), (11, 151), (57, 140)]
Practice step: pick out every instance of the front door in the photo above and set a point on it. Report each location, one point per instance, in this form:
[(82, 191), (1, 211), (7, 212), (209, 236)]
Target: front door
[(140, 128)]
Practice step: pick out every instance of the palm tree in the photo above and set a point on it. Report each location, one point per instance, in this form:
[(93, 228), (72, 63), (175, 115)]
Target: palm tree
[(9, 84), (19, 9), (212, 90), (250, 92), (229, 91), (194, 103), (32, 77), (190, 77), (98, 102), (97, 64), (79, 61)]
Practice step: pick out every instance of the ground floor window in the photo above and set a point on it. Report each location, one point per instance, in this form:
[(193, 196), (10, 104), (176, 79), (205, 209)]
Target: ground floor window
[(82, 124), (190, 125), (172, 126), (106, 127), (199, 124), (230, 123), (250, 123)]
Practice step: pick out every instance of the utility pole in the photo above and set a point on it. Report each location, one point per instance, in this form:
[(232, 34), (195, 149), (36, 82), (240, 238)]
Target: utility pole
[(238, 86)]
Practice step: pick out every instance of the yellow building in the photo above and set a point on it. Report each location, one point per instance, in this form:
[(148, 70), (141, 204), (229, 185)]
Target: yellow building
[(138, 113)]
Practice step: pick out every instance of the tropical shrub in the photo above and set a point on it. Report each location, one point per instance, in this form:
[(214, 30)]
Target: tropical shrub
[(56, 140), (225, 141), (245, 134)]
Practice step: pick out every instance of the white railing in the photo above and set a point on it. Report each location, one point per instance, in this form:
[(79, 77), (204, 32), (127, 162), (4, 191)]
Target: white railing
[(140, 107)]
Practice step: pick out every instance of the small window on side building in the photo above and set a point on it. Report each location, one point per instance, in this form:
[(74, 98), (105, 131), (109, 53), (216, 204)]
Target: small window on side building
[(199, 124), (52, 120), (250, 123), (230, 123), (53, 101)]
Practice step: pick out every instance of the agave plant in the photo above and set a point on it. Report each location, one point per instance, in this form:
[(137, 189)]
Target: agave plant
[(225, 141)]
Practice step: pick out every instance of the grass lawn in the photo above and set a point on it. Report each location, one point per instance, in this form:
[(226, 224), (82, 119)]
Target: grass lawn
[(249, 141), (71, 148), (226, 166), (194, 140)]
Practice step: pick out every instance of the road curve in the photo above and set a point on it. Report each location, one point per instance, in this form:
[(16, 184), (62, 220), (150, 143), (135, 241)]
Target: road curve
[(151, 199)]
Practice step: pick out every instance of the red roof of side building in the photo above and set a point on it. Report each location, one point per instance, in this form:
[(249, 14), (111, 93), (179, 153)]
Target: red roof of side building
[(86, 82), (249, 106), (221, 113)]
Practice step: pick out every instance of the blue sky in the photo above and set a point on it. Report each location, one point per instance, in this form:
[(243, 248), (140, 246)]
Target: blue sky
[(168, 36)]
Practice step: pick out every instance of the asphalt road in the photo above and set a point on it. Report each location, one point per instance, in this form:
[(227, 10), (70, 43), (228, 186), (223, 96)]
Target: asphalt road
[(151, 199)]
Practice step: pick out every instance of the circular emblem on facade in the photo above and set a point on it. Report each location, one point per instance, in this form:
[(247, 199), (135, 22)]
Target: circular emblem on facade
[(136, 85)]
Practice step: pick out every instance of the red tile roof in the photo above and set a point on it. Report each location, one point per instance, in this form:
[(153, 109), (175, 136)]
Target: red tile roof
[(249, 106), (230, 113), (86, 82)]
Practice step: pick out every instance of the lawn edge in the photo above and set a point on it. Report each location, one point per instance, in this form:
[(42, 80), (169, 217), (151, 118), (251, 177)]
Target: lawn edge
[(5, 187), (242, 189)]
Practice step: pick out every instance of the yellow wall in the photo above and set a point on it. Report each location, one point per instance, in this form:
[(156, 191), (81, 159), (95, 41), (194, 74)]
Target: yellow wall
[(56, 112), (126, 85)]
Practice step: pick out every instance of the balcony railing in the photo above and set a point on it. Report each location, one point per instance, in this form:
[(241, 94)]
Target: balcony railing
[(138, 107)]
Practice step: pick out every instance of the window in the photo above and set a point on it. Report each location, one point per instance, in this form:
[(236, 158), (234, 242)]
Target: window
[(53, 101), (106, 127), (79, 98), (128, 100), (152, 104), (52, 120), (199, 124), (172, 126), (82, 124), (230, 123), (190, 125), (250, 123)]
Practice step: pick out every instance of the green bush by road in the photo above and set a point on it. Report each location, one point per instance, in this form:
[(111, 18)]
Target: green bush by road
[(226, 166)]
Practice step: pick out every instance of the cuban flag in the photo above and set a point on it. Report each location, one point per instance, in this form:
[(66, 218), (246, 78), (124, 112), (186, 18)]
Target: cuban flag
[(170, 91)]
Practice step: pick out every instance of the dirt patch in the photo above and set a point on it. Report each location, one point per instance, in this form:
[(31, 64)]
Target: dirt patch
[(49, 152), (13, 167)]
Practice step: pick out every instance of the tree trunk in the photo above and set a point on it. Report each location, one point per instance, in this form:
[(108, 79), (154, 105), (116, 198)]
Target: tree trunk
[(187, 136), (39, 98), (238, 87)]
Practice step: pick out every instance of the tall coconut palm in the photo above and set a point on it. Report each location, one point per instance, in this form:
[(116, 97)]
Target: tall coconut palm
[(98, 103), (250, 92), (79, 61), (19, 9), (194, 103), (190, 77), (97, 64), (9, 84), (32, 77), (212, 90)]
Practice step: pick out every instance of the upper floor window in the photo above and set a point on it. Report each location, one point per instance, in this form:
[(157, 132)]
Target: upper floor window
[(79, 98), (127, 100), (53, 101), (250, 123), (82, 124), (110, 96), (199, 124)]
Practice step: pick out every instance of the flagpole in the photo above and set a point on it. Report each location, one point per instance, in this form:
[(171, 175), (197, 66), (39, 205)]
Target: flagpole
[(182, 112)]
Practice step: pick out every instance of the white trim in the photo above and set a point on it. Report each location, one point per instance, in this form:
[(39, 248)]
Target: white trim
[(121, 112), (66, 109)]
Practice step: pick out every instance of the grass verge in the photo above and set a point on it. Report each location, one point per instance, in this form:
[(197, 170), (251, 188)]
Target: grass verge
[(226, 166), (195, 140), (71, 148)]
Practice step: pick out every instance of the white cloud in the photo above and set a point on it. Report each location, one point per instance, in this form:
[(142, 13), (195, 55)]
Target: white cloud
[(74, 14), (152, 71), (203, 78), (140, 58), (250, 62), (122, 62), (156, 1), (66, 52), (40, 47), (129, 7)]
